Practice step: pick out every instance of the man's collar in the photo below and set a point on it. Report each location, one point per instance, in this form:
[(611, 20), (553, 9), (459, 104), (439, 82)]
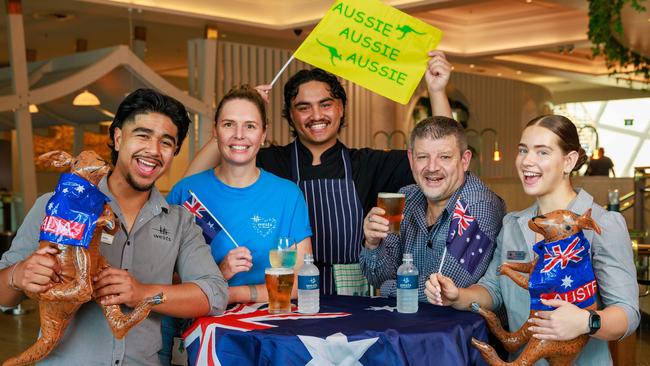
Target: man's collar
[(156, 201), (329, 154)]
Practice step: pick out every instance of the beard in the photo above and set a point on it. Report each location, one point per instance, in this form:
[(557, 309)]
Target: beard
[(136, 186)]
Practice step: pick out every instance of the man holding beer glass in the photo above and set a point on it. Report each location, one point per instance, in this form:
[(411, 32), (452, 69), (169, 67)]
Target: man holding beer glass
[(450, 218)]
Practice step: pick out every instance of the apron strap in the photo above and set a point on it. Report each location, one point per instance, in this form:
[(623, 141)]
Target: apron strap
[(295, 169)]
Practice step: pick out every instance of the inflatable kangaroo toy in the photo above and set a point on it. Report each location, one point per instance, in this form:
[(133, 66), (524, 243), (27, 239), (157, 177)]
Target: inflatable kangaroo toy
[(562, 270), (75, 217)]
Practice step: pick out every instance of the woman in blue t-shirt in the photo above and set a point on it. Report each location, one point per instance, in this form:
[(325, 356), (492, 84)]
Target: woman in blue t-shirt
[(254, 206)]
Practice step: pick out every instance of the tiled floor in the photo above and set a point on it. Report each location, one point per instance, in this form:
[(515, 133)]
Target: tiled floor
[(17, 332)]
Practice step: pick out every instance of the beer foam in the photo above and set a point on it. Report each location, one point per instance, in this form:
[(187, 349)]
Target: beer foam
[(278, 271), (390, 195)]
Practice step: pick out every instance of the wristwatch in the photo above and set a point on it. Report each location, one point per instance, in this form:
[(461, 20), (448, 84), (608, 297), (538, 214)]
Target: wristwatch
[(594, 321)]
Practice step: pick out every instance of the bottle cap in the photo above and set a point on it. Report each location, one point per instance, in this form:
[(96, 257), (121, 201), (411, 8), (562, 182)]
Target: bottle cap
[(408, 257), (309, 257)]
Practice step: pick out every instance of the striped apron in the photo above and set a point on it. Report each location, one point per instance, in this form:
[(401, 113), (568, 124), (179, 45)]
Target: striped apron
[(336, 218)]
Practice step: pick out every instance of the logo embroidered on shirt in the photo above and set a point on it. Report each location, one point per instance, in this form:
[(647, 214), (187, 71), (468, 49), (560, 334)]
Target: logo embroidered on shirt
[(263, 226), (162, 233)]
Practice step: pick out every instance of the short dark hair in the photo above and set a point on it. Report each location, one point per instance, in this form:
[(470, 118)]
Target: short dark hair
[(438, 127), (304, 76), (244, 92), (144, 101), (567, 133)]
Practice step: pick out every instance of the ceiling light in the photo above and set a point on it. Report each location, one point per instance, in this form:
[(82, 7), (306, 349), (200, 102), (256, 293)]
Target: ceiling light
[(85, 98), (471, 66), (529, 1), (33, 108), (496, 155), (518, 72), (499, 74)]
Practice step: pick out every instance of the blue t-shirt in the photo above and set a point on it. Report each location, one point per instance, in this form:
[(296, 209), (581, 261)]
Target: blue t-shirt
[(255, 216)]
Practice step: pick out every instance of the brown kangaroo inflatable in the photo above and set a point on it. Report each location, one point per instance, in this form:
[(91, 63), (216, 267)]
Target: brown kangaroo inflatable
[(563, 250), (78, 265)]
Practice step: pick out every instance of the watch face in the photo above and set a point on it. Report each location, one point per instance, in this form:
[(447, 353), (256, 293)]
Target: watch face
[(594, 322)]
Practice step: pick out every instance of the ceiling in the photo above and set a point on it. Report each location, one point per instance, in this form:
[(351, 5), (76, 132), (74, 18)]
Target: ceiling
[(538, 41)]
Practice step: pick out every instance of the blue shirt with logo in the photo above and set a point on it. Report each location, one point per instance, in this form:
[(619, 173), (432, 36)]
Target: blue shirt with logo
[(255, 216)]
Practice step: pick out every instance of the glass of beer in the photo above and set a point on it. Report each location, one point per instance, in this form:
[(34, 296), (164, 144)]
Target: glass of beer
[(284, 254), (393, 204), (279, 282)]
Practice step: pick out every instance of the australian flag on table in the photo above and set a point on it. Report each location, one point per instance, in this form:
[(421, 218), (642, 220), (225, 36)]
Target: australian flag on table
[(206, 346), (71, 213), (204, 218), (467, 242), (564, 272)]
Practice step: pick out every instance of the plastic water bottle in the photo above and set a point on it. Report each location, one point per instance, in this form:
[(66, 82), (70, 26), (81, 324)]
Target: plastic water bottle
[(308, 280), (407, 285)]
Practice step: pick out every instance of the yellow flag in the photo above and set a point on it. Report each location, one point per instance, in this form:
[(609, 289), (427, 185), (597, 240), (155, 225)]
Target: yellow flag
[(373, 45)]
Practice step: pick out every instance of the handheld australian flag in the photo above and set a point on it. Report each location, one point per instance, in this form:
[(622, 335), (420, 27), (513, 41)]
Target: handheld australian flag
[(71, 213), (564, 272), (466, 241), (204, 218)]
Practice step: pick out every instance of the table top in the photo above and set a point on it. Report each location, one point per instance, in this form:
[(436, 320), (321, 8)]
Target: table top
[(348, 328)]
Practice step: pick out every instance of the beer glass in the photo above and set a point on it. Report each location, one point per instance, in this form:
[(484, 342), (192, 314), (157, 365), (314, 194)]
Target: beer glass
[(284, 253), (279, 282), (393, 204)]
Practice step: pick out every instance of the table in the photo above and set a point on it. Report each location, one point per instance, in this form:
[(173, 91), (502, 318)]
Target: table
[(349, 330)]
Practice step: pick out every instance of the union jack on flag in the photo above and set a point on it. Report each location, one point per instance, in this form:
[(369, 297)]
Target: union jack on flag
[(562, 256), (194, 206), (463, 217), (203, 217), (467, 242)]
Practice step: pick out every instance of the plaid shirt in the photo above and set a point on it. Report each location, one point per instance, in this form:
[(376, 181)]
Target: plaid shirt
[(428, 244)]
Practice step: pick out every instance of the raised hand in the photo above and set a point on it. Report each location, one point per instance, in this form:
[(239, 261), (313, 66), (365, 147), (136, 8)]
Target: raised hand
[(438, 71), (264, 91)]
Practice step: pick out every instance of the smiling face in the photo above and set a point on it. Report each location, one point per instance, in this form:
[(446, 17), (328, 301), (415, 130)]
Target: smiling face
[(240, 132), (438, 166), (541, 163), (316, 114), (145, 146)]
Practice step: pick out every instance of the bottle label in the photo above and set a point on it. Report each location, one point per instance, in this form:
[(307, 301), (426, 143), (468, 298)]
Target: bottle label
[(307, 282), (407, 282)]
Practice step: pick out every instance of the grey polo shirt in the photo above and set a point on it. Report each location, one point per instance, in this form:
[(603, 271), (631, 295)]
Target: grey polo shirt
[(611, 257), (164, 238)]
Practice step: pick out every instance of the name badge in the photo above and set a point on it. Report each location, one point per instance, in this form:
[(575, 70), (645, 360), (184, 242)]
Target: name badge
[(516, 255), (107, 238)]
